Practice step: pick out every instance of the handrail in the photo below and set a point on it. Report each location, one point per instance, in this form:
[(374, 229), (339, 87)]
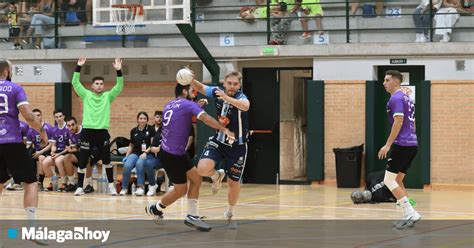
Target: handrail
[(346, 27)]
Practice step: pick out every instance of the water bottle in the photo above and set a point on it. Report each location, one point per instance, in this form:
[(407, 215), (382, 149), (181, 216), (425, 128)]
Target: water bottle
[(134, 187), (54, 181), (95, 173), (143, 146), (102, 184)]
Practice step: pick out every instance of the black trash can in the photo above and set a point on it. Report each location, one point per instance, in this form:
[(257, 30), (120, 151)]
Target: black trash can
[(348, 166)]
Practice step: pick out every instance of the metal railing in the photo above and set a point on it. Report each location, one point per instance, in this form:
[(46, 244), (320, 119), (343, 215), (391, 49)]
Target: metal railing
[(345, 27)]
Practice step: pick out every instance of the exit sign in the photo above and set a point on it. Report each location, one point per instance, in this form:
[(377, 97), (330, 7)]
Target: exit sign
[(398, 61)]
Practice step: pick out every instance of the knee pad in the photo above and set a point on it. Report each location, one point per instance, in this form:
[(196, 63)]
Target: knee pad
[(108, 166), (390, 180)]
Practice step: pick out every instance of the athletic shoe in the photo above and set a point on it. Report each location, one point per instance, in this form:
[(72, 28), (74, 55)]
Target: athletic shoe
[(305, 35), (88, 189), (50, 187), (71, 188), (62, 188), (79, 192), (151, 209), (412, 202), (408, 220), (123, 192), (152, 190), (216, 185), (232, 224), (197, 222), (9, 186), (112, 190), (139, 192), (17, 187)]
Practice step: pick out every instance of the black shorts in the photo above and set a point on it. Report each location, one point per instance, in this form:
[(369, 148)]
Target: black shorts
[(175, 166), (95, 143), (14, 32), (14, 159), (400, 158), (234, 157), (45, 154)]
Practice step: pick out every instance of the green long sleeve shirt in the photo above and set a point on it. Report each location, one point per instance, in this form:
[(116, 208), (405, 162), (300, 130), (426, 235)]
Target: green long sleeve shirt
[(96, 107)]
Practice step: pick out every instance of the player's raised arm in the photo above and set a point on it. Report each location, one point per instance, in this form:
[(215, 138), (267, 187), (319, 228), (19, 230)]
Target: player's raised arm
[(115, 91), (211, 122), (76, 78)]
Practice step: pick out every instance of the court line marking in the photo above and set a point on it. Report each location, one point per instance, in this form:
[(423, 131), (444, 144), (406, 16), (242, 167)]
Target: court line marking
[(170, 234), (412, 235)]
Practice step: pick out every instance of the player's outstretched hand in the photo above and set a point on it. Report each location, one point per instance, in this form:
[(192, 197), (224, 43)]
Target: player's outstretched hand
[(81, 61), (221, 95), (117, 64)]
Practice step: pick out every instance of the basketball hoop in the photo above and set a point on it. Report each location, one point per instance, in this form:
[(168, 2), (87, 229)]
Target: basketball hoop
[(126, 17)]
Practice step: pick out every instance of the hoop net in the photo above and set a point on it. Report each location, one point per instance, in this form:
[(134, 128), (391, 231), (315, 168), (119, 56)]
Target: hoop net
[(126, 16)]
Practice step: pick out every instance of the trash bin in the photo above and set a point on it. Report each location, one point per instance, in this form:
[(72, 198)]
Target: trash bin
[(348, 166)]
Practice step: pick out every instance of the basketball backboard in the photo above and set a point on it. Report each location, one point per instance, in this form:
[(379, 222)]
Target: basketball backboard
[(154, 11)]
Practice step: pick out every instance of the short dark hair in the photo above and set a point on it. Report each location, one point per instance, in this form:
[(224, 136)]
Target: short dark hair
[(283, 6), (97, 78), (58, 111), (179, 89), (71, 119), (36, 111), (158, 112), (4, 65), (396, 74), (142, 113)]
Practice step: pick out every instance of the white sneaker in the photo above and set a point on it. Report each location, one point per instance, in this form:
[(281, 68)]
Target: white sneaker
[(123, 192), (9, 186), (152, 190), (79, 192), (408, 220), (446, 38), (216, 185), (139, 192), (112, 190), (170, 188), (232, 224)]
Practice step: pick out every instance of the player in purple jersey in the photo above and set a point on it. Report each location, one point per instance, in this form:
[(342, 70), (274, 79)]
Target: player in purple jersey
[(24, 127), (60, 139), (232, 108), (177, 121), (40, 153), (402, 144), (13, 155)]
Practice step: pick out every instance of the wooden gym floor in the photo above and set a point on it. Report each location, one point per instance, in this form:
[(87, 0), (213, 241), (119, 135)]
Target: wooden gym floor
[(266, 210)]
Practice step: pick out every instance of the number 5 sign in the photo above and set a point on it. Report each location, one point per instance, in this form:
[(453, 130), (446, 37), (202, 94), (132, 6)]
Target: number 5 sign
[(320, 39), (227, 40)]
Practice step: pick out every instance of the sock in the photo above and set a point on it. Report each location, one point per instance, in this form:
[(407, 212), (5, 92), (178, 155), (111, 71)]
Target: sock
[(110, 174), (160, 206), (215, 176), (80, 180), (30, 213), (71, 180), (89, 181), (193, 207), (230, 209), (41, 179), (405, 203), (62, 180)]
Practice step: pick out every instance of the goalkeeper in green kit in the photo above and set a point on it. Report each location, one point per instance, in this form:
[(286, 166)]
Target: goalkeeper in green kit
[(95, 138)]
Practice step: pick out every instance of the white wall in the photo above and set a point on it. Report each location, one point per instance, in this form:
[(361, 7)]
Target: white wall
[(364, 69)]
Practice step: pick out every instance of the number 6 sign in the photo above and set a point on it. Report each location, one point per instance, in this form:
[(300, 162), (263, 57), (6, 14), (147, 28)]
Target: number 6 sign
[(227, 40)]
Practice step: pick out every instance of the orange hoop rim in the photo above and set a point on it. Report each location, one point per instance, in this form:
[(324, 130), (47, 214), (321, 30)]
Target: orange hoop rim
[(130, 6)]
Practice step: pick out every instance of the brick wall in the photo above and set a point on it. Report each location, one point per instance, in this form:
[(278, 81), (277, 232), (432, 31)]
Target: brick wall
[(41, 96), (344, 119), (452, 132), (136, 96)]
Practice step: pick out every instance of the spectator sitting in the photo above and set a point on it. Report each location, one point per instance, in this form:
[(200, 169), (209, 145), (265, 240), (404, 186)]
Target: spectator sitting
[(152, 162), (310, 8), (378, 7), (422, 19), (40, 21), (279, 25), (140, 141), (446, 18), (69, 15), (13, 29)]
